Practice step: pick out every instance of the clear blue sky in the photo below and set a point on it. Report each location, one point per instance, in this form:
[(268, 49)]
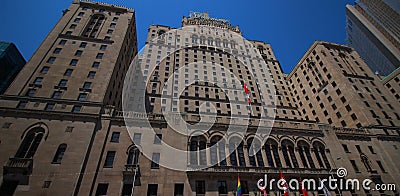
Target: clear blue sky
[(289, 25)]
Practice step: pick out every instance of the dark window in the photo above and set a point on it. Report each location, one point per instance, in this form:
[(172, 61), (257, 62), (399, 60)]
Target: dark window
[(73, 26), (109, 162), (49, 107), (30, 92), (57, 51), (96, 64), (107, 38), (103, 47), (157, 139), (59, 154), (371, 149), (381, 166), (77, 20), (112, 25), (115, 137), (101, 189), (155, 161), (63, 83), (62, 42), (82, 97), (51, 60), (91, 74), (56, 95), (115, 19), (345, 148), (200, 187), (74, 62), (83, 45), (38, 81), (78, 53), (87, 85), (76, 109), (68, 72), (127, 190), (30, 143), (45, 70), (99, 55), (152, 189), (222, 188), (110, 31), (353, 163), (178, 189)]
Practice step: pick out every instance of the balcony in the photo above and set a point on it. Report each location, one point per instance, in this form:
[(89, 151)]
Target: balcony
[(132, 173), (18, 169)]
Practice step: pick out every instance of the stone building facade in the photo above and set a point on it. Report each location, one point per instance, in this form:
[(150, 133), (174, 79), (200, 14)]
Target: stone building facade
[(105, 138)]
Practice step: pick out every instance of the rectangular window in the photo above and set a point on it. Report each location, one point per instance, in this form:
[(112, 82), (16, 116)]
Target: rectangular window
[(115, 137), (22, 104), (178, 189), (99, 55), (345, 148), (381, 166), (77, 20), (38, 81), (109, 162), (73, 62), (110, 31), (68, 72), (56, 95), (107, 38), (353, 163), (127, 190), (62, 42), (76, 109), (157, 139), (91, 74), (101, 189), (51, 60), (57, 51), (30, 92), (222, 188), (87, 85), (358, 148), (49, 107), (63, 83), (83, 45), (155, 161), (200, 187), (73, 26), (82, 97), (96, 64), (152, 189), (44, 70), (103, 47), (112, 25), (371, 149), (78, 53), (137, 137)]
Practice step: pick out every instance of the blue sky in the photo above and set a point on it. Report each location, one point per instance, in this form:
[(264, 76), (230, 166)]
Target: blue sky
[(290, 26)]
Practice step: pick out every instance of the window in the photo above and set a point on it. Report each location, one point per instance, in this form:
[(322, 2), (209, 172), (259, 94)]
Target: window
[(127, 190), (91, 74), (107, 38), (56, 95), (49, 107), (371, 149), (222, 188), (178, 189), (96, 64), (137, 138), (99, 55), (30, 143), (38, 81), (152, 189), (76, 109), (73, 26), (62, 42), (87, 85), (101, 189), (157, 139), (115, 137), (112, 25), (57, 51), (46, 184), (68, 33), (83, 45), (103, 47), (30, 92), (73, 62), (82, 97), (59, 154), (381, 166), (63, 83), (51, 60), (200, 187), (44, 70), (345, 148), (110, 31), (92, 28), (109, 162), (77, 20), (155, 161), (355, 167), (115, 19), (78, 53), (68, 72), (81, 13)]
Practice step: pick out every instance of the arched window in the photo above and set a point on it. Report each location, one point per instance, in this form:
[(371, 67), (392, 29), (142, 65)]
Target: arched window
[(254, 151), (160, 32), (319, 151), (218, 42), (133, 155), (93, 27), (59, 153), (217, 151), (288, 154), (194, 39), (237, 154), (271, 151), (198, 147), (304, 152), (202, 40), (210, 41), (30, 143), (261, 49)]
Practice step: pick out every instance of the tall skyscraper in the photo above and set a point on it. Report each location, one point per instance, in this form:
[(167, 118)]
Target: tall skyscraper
[(198, 107), (373, 29), (11, 62)]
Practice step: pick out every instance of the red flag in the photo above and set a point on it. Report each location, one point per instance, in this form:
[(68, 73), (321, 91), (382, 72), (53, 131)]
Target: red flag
[(246, 90), (304, 191), (285, 185)]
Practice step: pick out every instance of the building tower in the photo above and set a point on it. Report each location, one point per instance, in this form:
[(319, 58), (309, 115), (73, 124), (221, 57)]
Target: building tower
[(373, 29), (52, 108), (11, 62)]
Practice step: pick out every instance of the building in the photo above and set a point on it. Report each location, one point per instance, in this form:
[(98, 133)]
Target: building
[(11, 62), (392, 82), (374, 31), (116, 141), (60, 94)]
